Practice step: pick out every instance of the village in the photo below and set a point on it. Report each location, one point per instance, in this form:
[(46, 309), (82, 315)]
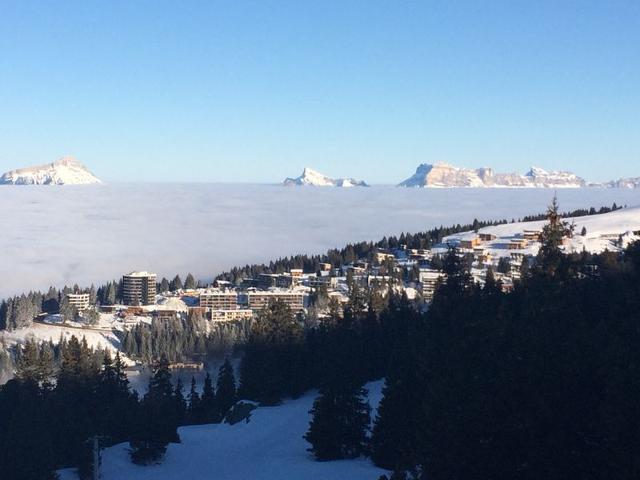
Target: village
[(504, 249)]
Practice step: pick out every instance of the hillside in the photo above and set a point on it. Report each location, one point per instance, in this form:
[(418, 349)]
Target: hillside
[(603, 232), (269, 447)]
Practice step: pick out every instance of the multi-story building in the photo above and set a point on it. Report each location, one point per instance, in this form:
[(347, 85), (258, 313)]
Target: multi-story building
[(78, 300), (315, 281), (139, 288), (429, 281), (518, 244), (231, 315), (533, 235), (219, 300), (259, 300), (469, 243)]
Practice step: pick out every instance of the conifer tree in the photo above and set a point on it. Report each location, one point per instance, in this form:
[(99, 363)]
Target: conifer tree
[(190, 282), (194, 407), (208, 401), (164, 285), (180, 402), (159, 419), (176, 284), (550, 254), (340, 423), (225, 388)]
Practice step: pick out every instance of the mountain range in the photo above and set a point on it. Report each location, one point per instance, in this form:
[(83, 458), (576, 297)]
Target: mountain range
[(65, 171), (444, 175), (310, 177)]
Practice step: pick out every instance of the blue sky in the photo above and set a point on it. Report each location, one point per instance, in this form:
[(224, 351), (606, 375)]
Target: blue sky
[(255, 91)]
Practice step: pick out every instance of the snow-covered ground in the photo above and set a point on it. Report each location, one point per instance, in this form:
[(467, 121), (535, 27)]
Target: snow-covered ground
[(602, 233), (103, 338), (269, 447), (94, 233)]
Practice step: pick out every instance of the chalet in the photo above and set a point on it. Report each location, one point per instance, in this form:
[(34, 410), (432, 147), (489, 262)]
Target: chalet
[(381, 257), (533, 235), (470, 243), (518, 244), (487, 237)]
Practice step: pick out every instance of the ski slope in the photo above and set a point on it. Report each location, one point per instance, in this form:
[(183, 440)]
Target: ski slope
[(269, 447)]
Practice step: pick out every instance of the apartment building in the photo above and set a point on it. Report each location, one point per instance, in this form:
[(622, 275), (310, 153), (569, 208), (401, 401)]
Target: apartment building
[(79, 300), (429, 281), (315, 281), (139, 288), (219, 300), (258, 300), (231, 315)]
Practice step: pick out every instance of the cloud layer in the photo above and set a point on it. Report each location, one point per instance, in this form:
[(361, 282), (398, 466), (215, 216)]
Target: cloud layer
[(91, 234)]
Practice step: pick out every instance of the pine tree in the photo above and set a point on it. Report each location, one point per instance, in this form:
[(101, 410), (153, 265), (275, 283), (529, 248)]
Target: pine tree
[(180, 402), (176, 283), (340, 423), (164, 285), (190, 282), (225, 388), (208, 401), (159, 419), (550, 254), (194, 408)]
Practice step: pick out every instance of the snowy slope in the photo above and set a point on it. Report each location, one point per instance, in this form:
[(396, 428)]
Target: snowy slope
[(603, 232), (65, 171), (96, 337), (317, 179), (269, 447)]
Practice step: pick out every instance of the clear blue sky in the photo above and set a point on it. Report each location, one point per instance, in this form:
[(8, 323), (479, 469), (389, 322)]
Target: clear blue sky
[(254, 91)]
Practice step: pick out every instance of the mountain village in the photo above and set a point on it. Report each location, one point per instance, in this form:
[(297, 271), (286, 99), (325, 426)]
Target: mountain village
[(504, 249)]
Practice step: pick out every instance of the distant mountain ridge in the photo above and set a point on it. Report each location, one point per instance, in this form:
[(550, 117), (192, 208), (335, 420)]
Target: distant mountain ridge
[(310, 177), (65, 171), (445, 175)]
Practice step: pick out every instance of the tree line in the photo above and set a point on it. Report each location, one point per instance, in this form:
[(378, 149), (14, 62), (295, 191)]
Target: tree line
[(49, 415), (183, 339)]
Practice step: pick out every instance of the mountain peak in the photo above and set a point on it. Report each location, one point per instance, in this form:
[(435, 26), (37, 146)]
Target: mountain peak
[(312, 177), (66, 170), (68, 160)]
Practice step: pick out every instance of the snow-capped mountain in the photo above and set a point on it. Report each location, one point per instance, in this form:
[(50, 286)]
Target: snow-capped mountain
[(623, 183), (311, 177), (65, 171), (445, 175)]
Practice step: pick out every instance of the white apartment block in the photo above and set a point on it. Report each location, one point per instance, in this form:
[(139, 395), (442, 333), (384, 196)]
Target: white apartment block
[(429, 280), (79, 300), (231, 315), (219, 300)]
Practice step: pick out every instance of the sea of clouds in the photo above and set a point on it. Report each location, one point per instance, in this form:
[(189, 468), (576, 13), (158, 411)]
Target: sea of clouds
[(90, 234)]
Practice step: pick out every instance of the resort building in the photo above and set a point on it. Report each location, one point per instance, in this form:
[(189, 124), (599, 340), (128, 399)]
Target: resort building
[(139, 288)]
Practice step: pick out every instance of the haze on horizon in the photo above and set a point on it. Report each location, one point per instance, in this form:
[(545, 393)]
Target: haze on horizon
[(255, 91)]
